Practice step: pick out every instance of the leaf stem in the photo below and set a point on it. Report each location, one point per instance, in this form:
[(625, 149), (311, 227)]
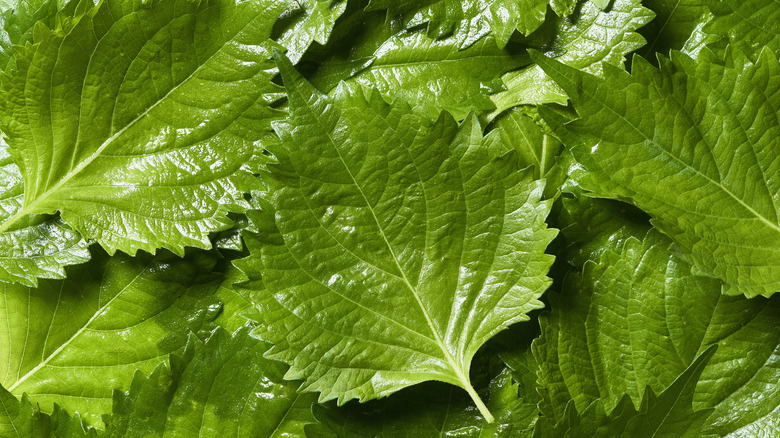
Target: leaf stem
[(480, 404)]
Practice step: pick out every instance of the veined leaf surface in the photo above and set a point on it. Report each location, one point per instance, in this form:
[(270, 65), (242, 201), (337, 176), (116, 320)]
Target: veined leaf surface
[(637, 318), (218, 387), (73, 341), (696, 144), (136, 120), (406, 247)]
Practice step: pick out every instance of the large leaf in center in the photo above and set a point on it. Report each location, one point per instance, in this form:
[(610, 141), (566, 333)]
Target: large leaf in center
[(393, 247), (136, 120)]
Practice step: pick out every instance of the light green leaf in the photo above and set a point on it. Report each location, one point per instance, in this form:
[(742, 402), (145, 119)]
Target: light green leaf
[(405, 248), (17, 19), (221, 387), (595, 36), (20, 419), (697, 149), (39, 247), (437, 74), (72, 341), (309, 21), (669, 415), (471, 20), (638, 318), (366, 50), (521, 129), (142, 143), (749, 25)]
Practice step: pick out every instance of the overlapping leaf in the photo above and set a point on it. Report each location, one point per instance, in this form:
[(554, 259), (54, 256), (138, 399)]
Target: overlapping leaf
[(595, 36), (694, 144), (38, 247), (308, 21), (668, 415), (471, 20), (400, 252), (748, 25), (72, 341), (221, 387), (645, 319), (141, 142)]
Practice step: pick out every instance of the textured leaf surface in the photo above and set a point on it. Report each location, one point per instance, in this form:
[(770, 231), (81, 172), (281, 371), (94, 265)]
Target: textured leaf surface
[(645, 319), (697, 148), (674, 23), (221, 387), (38, 247), (309, 21), (72, 341), (749, 25), (595, 36), (366, 50), (521, 129), (20, 419), (430, 410), (668, 415), (142, 142), (437, 74), (408, 245), (17, 20), (471, 20)]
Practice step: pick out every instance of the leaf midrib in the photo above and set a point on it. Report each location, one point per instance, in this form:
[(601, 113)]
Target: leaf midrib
[(660, 147), (437, 338), (98, 313), (30, 208)]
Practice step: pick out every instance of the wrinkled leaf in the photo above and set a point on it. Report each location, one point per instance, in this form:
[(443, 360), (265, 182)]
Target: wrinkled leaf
[(73, 341), (409, 244), (142, 142), (584, 42), (697, 148), (221, 387)]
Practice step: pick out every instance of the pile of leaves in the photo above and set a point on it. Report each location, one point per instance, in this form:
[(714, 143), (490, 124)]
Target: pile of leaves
[(354, 218)]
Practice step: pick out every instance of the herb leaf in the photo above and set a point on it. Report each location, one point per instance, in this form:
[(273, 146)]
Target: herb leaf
[(392, 260)]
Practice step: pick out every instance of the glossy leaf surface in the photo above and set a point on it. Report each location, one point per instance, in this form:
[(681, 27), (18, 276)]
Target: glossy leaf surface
[(221, 387), (645, 319), (135, 149), (73, 341), (595, 36), (406, 247), (713, 191)]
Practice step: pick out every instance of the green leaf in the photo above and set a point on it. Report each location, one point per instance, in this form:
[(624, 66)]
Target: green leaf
[(20, 419), (749, 25), (142, 143), (437, 74), (39, 247), (595, 36), (696, 149), (471, 20), (17, 20), (405, 247), (674, 23), (366, 50), (220, 387), (431, 409), (72, 341), (639, 318), (668, 415), (309, 21), (522, 129)]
